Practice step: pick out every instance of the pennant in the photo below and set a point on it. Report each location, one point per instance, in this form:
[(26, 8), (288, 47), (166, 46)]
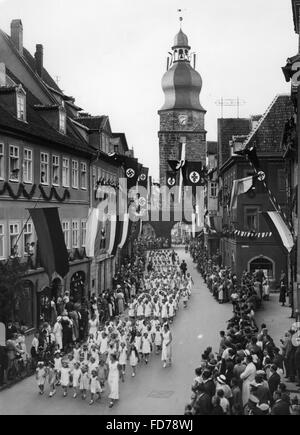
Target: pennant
[(91, 232), (239, 187), (143, 177), (118, 235), (280, 229), (125, 229), (176, 165), (112, 233), (171, 178), (52, 246), (194, 174)]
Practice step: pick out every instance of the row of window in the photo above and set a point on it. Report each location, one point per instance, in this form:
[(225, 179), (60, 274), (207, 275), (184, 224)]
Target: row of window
[(17, 238), (53, 170), (74, 233)]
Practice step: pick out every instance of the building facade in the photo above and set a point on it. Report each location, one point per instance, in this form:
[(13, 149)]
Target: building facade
[(240, 250), (51, 155)]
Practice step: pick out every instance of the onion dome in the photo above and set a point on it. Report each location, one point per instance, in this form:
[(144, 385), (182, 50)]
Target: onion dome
[(181, 40), (182, 84)]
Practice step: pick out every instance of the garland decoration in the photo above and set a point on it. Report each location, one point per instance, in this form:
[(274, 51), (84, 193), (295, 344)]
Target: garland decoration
[(29, 195), (21, 191), (53, 193)]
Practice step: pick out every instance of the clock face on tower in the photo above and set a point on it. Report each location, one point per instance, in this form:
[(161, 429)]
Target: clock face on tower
[(182, 119)]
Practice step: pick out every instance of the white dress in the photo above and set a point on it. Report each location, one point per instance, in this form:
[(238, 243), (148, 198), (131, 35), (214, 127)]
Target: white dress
[(123, 356), (248, 376), (148, 310), (57, 331), (140, 310), (164, 311), (76, 377), (166, 349), (113, 380), (93, 324), (65, 377), (133, 359), (146, 346), (95, 385)]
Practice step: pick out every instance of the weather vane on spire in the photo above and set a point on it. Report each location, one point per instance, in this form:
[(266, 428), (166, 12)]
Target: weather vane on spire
[(180, 13)]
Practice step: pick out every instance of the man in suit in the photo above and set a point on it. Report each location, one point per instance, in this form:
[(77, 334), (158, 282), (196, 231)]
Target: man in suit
[(274, 380), (203, 404)]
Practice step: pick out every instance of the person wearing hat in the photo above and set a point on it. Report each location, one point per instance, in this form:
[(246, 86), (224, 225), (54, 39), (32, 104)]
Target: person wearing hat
[(260, 389), (221, 384)]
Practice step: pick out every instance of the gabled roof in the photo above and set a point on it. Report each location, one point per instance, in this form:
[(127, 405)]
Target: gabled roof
[(37, 128), (267, 135), (122, 136), (93, 122)]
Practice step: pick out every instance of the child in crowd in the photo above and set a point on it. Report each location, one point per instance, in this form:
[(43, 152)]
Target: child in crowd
[(40, 375)]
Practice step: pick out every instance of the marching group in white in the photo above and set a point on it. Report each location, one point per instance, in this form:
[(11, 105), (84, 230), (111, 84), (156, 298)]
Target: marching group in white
[(133, 339)]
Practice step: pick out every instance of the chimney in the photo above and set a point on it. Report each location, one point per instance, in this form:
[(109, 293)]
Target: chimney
[(16, 33), (2, 74), (39, 59)]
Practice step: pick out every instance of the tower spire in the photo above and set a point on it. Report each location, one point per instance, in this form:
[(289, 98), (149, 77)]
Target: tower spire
[(180, 16)]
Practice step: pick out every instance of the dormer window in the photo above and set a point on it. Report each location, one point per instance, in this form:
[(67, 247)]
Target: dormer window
[(21, 105), (62, 121)]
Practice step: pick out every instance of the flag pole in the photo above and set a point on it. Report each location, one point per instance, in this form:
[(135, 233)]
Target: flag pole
[(183, 142)]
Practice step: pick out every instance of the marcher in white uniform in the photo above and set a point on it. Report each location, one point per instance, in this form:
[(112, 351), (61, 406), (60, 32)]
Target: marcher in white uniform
[(166, 355), (113, 379)]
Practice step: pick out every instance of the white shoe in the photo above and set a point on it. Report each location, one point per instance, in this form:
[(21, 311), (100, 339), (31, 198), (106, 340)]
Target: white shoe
[(165, 365)]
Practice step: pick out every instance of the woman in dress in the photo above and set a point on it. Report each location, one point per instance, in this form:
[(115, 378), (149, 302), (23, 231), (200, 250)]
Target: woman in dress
[(57, 331), (93, 326), (166, 355), (113, 379)]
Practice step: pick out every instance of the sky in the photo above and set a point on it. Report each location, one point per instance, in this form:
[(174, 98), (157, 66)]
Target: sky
[(111, 55)]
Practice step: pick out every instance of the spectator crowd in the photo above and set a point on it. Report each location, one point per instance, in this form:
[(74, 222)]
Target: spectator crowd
[(245, 375)]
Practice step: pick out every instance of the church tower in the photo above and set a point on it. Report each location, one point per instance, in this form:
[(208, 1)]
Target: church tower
[(182, 115)]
